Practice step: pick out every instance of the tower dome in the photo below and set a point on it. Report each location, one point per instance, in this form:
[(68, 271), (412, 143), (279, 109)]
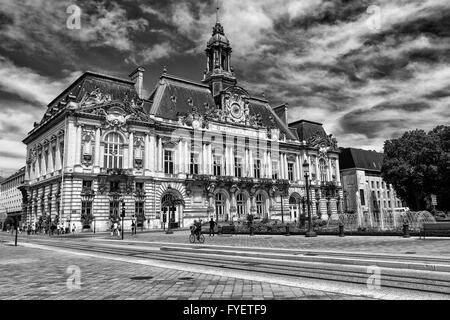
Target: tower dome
[(218, 36)]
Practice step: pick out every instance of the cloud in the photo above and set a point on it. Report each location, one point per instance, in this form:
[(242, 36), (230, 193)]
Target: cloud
[(30, 85)]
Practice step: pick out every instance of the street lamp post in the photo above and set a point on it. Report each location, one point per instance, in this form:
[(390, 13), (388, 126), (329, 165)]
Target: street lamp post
[(310, 232), (123, 215), (282, 211)]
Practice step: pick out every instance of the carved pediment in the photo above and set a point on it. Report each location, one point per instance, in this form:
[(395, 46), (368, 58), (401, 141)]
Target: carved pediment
[(322, 143)]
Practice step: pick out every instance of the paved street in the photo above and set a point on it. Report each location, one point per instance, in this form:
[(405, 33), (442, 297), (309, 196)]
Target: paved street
[(373, 244), (155, 265), (40, 274)]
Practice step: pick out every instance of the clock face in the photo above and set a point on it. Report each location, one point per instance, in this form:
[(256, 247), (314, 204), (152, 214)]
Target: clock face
[(236, 110)]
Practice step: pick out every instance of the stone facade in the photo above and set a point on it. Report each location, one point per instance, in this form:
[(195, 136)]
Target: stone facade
[(188, 151)]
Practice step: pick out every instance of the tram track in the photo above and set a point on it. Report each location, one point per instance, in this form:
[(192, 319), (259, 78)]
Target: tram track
[(418, 281)]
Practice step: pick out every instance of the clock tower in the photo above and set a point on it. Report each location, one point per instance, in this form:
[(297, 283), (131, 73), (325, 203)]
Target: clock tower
[(218, 73)]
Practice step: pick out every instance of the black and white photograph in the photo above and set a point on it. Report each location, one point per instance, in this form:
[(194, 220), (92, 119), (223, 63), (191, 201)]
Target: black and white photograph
[(224, 154)]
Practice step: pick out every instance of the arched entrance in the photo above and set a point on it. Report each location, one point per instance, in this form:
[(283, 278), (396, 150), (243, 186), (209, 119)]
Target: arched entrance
[(241, 205), (172, 204), (261, 202), (294, 206)]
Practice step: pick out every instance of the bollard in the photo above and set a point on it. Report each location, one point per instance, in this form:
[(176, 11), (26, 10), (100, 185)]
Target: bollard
[(251, 230), (405, 230), (287, 231), (341, 230)]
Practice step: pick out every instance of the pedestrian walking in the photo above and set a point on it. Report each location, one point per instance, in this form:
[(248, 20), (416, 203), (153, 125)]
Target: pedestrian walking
[(74, 228), (133, 226), (115, 226), (212, 224), (33, 228)]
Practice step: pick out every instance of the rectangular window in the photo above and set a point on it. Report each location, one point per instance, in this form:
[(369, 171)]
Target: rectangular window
[(291, 171), (87, 184), (238, 167), (193, 166), (139, 186), (257, 169), (378, 184), (86, 208), (275, 170), (388, 194), (168, 161), (362, 197), (217, 165), (378, 193), (114, 186), (372, 184), (382, 185), (139, 213)]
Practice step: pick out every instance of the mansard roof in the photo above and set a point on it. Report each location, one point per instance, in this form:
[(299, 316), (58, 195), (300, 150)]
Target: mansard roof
[(307, 129), (353, 158), (89, 81), (175, 96), (171, 95)]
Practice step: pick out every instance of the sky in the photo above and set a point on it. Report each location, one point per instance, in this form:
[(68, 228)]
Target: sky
[(367, 70)]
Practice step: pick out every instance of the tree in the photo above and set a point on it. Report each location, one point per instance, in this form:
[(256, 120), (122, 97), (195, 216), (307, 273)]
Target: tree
[(417, 165), (442, 135)]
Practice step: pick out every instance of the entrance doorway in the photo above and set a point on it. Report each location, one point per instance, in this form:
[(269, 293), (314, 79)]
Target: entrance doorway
[(220, 207), (172, 209)]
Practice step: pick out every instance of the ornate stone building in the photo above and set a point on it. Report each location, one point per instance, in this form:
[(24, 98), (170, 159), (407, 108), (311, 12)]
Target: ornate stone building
[(191, 150)]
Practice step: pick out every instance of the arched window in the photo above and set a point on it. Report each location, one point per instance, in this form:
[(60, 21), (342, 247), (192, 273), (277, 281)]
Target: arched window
[(259, 204), (323, 170), (241, 208), (113, 151), (220, 206)]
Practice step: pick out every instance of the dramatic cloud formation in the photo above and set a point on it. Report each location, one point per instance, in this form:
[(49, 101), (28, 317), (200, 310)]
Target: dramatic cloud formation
[(369, 70)]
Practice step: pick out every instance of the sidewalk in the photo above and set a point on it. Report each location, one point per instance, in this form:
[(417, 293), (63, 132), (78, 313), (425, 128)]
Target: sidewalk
[(43, 275), (371, 244)]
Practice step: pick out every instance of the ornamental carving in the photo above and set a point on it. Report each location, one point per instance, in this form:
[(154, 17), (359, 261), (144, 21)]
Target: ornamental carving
[(94, 98), (87, 139), (323, 143)]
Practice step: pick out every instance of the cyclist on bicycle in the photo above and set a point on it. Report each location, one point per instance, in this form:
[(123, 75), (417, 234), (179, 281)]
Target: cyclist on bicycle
[(196, 229)]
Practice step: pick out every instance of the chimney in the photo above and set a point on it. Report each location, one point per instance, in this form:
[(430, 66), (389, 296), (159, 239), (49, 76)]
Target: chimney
[(137, 76)]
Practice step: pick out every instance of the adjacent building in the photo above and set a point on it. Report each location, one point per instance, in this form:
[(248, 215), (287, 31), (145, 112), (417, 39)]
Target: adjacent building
[(10, 195), (365, 192), (189, 150)]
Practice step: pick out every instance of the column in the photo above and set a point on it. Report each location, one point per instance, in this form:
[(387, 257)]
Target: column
[(269, 165), (210, 158), (338, 174), (130, 150), (250, 153), (97, 148), (58, 164), (152, 154), (187, 155), (317, 169), (146, 152), (78, 146), (160, 155), (203, 160), (245, 164), (51, 166), (38, 163), (297, 167)]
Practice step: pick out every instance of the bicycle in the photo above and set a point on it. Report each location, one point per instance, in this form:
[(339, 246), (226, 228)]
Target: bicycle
[(193, 237)]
